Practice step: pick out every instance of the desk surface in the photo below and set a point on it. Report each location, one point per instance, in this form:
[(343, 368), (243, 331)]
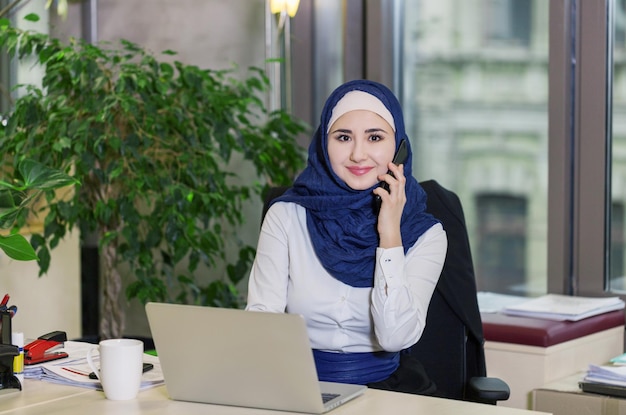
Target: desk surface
[(44, 398)]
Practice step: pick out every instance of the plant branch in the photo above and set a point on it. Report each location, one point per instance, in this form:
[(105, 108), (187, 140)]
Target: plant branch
[(8, 7)]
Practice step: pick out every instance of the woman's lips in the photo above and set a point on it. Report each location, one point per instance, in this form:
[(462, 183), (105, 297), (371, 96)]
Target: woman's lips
[(359, 171)]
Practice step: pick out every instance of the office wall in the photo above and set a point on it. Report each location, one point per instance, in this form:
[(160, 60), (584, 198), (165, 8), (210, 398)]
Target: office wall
[(208, 33), (50, 302)]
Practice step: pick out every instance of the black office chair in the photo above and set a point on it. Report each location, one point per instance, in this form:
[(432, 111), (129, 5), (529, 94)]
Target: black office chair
[(451, 348), (452, 345)]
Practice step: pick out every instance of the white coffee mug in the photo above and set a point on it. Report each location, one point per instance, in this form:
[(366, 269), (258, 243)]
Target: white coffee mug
[(121, 362)]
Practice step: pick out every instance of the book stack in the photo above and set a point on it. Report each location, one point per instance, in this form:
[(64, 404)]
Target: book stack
[(606, 379)]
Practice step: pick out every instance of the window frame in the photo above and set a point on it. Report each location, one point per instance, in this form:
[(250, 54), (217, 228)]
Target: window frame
[(578, 152)]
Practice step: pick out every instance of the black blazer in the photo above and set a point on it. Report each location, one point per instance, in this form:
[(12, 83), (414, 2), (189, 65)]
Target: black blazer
[(451, 347)]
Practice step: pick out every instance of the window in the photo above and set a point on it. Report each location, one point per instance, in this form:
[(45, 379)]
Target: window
[(508, 22), (619, 19), (22, 72), (617, 272), (501, 247), (479, 125), (617, 109)]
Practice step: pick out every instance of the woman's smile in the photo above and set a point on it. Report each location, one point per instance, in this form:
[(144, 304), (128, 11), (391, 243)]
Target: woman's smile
[(359, 170)]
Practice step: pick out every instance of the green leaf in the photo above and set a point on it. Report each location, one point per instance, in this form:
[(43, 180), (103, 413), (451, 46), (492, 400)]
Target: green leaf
[(31, 17), (7, 198), (39, 176), (8, 217), (17, 247)]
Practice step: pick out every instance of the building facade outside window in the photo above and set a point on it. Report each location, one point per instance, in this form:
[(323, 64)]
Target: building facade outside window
[(476, 94), (508, 22), (500, 253), (617, 84)]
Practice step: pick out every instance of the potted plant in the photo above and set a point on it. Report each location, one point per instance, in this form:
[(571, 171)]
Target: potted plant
[(156, 147)]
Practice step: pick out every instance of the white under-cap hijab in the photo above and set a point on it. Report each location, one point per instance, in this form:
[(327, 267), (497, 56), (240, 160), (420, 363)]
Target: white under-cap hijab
[(360, 100)]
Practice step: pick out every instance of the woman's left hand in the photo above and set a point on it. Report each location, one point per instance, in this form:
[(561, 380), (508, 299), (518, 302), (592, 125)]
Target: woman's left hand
[(392, 206)]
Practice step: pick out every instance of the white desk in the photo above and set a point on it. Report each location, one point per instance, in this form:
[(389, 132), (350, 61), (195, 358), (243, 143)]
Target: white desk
[(48, 399), (36, 393)]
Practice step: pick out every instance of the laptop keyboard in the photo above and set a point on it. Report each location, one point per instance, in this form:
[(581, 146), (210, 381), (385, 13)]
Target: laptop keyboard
[(328, 396)]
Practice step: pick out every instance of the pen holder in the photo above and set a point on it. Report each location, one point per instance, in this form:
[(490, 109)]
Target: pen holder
[(8, 352), (7, 379)]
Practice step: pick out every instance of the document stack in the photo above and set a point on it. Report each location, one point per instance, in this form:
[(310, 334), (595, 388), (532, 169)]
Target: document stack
[(612, 375), (606, 379), (564, 307), (74, 370)]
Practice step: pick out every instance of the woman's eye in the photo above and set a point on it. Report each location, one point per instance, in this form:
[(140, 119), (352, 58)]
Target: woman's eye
[(375, 137), (342, 137)]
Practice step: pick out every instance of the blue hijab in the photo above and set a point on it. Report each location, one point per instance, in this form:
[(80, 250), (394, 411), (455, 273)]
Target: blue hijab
[(341, 221)]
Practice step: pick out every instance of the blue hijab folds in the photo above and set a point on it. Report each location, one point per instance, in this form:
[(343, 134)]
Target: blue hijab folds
[(341, 221)]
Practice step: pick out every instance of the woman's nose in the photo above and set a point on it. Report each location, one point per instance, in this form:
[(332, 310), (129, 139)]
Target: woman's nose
[(358, 153)]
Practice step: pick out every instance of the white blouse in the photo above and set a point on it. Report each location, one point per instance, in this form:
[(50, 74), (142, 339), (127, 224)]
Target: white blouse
[(288, 277)]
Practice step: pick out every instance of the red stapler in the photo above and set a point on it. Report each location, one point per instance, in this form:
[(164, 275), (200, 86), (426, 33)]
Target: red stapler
[(43, 349)]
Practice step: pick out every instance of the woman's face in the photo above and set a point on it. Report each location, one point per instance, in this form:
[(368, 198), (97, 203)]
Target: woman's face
[(360, 146)]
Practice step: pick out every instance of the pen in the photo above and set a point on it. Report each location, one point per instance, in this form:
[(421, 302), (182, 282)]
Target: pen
[(5, 300), (75, 371)]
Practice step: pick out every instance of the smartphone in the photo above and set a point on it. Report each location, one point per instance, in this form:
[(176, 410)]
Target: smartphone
[(146, 367), (399, 158)]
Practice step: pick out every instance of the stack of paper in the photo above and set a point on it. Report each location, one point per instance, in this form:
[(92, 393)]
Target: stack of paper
[(72, 348), (489, 302), (612, 375), (564, 307), (74, 370)]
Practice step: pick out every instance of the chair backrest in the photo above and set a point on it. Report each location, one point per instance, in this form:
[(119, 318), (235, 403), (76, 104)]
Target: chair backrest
[(271, 193), (451, 347)]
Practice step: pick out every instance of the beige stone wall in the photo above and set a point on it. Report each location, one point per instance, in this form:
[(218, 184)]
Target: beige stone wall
[(50, 302)]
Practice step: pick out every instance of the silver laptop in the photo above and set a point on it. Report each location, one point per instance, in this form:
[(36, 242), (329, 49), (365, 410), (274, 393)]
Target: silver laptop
[(241, 358)]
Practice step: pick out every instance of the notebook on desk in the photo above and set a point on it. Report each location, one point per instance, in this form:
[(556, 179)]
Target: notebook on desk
[(240, 358), (603, 389)]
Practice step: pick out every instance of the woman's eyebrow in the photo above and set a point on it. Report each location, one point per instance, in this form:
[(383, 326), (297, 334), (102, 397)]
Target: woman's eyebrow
[(349, 131), (341, 130), (375, 130)]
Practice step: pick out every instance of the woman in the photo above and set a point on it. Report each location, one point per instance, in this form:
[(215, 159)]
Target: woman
[(362, 277)]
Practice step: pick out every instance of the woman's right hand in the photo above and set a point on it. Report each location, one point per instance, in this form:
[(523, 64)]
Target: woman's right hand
[(392, 206)]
